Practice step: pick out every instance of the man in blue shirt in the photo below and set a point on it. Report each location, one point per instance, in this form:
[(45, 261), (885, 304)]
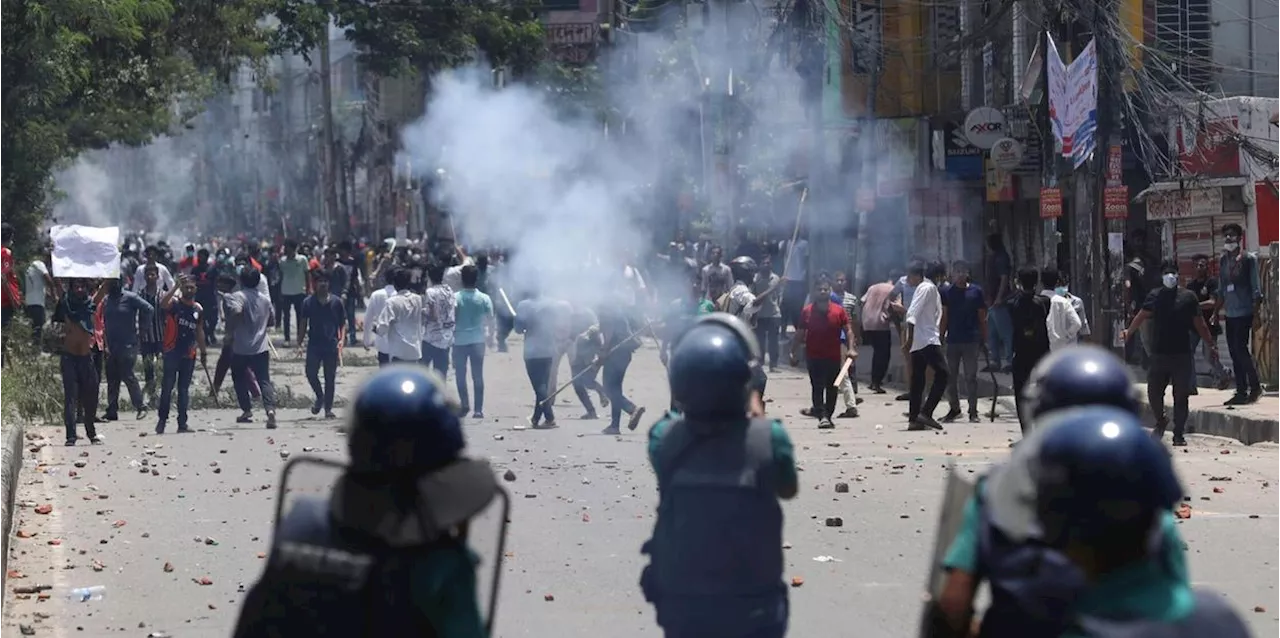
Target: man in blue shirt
[(474, 311), (1239, 292), (120, 313), (325, 315), (964, 328)]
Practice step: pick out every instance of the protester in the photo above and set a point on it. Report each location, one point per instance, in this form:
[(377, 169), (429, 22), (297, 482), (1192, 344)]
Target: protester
[(964, 328), (38, 283), (122, 310), (10, 297), (439, 322), (400, 321), (293, 283), (325, 315), (818, 332), (923, 320), (473, 313), (248, 313), (74, 315), (875, 330), (183, 336), (1239, 294)]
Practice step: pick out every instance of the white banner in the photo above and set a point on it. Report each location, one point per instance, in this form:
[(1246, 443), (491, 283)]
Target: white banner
[(1057, 79), (1081, 122), (1073, 102), (86, 252)]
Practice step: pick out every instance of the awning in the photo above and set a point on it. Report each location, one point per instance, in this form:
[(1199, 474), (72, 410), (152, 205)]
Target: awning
[(1190, 185)]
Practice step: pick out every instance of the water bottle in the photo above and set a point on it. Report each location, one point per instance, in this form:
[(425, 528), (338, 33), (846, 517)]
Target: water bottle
[(85, 594)]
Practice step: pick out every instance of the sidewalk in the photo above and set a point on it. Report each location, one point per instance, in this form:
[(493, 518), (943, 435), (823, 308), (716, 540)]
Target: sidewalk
[(1249, 424)]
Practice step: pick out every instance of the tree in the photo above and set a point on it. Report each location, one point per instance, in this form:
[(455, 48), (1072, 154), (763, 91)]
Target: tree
[(424, 36), (84, 74)]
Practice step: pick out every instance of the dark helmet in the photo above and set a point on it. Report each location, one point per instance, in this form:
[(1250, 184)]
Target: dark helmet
[(743, 268), (1078, 376), (711, 366), (404, 421), (1099, 470)]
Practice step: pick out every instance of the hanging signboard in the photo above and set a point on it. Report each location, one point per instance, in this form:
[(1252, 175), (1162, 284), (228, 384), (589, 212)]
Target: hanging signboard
[(1006, 154), (984, 126), (1198, 202), (1050, 203), (1115, 202)]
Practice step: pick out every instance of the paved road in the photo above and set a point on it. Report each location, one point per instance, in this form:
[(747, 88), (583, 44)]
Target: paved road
[(583, 503)]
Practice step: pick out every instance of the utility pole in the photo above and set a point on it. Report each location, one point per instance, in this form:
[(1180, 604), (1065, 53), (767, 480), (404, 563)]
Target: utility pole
[(338, 223), (1105, 309)]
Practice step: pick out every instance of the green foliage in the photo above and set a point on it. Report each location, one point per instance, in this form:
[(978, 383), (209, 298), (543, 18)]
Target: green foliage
[(84, 74), (424, 36)]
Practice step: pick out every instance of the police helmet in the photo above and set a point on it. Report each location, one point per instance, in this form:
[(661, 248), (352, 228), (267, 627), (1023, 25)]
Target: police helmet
[(1078, 376), (743, 268), (711, 366), (1098, 471), (405, 430)]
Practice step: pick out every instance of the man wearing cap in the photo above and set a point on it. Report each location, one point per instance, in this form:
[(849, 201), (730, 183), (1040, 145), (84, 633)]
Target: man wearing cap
[(386, 553)]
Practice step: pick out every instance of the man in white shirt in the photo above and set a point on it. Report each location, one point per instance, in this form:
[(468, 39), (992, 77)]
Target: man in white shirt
[(924, 344), (1066, 322), (796, 272), (400, 321), (378, 301), (37, 283), (140, 275)]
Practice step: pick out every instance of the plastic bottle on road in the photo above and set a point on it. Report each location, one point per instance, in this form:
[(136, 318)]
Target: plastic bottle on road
[(85, 594)]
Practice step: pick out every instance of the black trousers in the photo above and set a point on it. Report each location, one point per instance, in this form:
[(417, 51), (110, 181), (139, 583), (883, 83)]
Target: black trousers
[(120, 364), (539, 371), (1239, 333), (881, 348), (767, 330), (79, 390), (822, 378), (1021, 366), (927, 357), (318, 358), (1164, 370), (586, 382)]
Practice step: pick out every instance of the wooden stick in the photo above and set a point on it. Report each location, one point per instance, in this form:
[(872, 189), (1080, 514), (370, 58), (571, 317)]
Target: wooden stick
[(844, 372), (786, 265)]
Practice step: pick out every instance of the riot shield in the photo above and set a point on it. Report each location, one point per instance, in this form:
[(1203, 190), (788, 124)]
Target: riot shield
[(955, 496), (478, 535)]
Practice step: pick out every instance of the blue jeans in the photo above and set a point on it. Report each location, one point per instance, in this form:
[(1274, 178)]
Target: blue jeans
[(242, 365), (177, 371), (539, 371), (470, 354), (353, 299), (1000, 335)]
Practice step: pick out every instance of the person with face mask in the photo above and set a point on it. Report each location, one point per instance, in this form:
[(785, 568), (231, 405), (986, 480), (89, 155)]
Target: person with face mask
[(122, 310), (1063, 323), (188, 260), (1173, 312), (1239, 293)]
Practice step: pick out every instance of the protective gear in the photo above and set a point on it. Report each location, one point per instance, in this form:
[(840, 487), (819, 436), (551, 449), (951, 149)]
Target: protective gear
[(1212, 616), (1062, 482), (1061, 291), (1099, 470), (1076, 376), (716, 552), (1170, 280), (353, 564), (713, 365), (743, 269), (1231, 246)]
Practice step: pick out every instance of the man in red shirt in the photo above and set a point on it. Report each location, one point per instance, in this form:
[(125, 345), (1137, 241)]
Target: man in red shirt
[(818, 330), (10, 297)]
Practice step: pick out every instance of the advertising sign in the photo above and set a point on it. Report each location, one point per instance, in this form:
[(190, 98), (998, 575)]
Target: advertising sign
[(1050, 203)]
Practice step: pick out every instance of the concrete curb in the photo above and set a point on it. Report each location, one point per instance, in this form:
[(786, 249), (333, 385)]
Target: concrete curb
[(10, 465), (1244, 428)]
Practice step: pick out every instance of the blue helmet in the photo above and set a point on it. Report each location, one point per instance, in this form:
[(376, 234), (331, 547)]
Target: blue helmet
[(1078, 376), (404, 421), (711, 366), (1098, 470)]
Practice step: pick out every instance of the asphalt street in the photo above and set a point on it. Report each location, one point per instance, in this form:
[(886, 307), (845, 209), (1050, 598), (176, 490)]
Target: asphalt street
[(175, 527)]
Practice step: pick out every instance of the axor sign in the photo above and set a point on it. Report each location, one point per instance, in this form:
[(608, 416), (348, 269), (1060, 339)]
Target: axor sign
[(984, 126)]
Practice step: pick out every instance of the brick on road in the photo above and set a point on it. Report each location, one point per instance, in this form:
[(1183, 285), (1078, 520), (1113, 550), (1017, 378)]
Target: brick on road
[(153, 518)]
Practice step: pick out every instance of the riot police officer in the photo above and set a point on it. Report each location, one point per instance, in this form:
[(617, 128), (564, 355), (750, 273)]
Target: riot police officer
[(999, 540), (716, 552), (386, 554)]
